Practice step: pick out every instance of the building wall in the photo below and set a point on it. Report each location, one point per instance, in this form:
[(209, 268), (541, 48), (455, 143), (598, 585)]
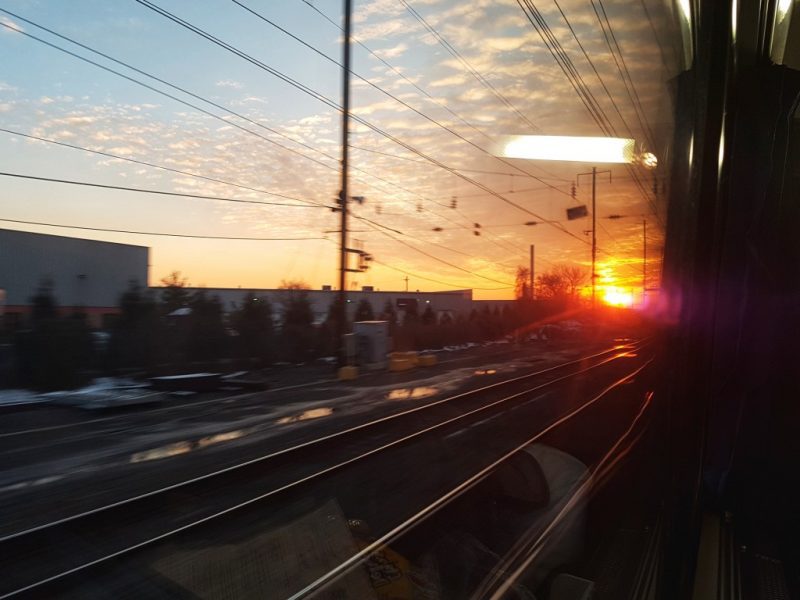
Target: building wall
[(453, 302), (83, 273)]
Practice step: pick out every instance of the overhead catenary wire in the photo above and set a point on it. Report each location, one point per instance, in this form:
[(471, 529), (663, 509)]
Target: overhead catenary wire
[(417, 87), (229, 111), (151, 191), (539, 23), (464, 62), (389, 94), (624, 71), (356, 118), (144, 163), (147, 86), (438, 259), (227, 122), (162, 233), (445, 283)]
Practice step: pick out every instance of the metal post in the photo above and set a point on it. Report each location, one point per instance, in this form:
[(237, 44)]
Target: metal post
[(594, 233), (341, 324), (531, 273)]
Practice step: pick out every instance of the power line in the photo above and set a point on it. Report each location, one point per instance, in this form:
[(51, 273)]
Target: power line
[(416, 86), (358, 119), (458, 56), (192, 94), (426, 278), (389, 94), (631, 170), (440, 260), (460, 169), (56, 47), (157, 166), (150, 87), (594, 68), (584, 93), (160, 233), (633, 95), (149, 191)]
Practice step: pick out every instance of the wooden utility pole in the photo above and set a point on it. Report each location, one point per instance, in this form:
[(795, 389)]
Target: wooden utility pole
[(341, 321), (533, 279)]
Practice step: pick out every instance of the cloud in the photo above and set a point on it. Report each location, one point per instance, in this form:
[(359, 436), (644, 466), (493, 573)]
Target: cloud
[(229, 83), (394, 51), (10, 26)]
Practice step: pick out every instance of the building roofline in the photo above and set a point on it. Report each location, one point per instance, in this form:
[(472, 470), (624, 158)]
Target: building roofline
[(68, 237)]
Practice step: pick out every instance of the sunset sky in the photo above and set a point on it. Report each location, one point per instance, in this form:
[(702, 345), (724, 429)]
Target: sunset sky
[(48, 94)]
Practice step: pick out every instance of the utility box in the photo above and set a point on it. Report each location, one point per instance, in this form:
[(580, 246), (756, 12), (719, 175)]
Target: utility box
[(373, 343)]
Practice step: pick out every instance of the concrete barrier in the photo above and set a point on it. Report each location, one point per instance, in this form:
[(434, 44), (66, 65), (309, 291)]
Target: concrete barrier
[(426, 360), (400, 364), (348, 373)]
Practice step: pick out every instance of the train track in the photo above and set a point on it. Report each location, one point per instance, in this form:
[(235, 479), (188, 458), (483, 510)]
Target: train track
[(147, 519)]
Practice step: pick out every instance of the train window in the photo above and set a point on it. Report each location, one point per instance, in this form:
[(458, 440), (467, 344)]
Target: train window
[(397, 299)]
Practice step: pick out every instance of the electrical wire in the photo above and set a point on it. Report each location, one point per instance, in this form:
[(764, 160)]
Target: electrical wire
[(356, 118), (157, 166), (150, 191), (161, 233), (458, 56), (227, 122), (416, 86)]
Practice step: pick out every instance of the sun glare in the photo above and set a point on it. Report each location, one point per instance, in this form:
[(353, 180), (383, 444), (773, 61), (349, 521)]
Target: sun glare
[(614, 296)]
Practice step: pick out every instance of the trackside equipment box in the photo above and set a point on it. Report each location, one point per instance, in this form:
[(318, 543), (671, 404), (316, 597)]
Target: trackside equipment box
[(373, 343)]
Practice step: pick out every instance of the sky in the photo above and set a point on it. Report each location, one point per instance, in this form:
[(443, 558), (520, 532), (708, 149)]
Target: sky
[(429, 108)]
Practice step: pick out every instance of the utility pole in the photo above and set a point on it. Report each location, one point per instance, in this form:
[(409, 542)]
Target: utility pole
[(644, 261), (531, 272), (341, 321), (406, 280), (594, 174)]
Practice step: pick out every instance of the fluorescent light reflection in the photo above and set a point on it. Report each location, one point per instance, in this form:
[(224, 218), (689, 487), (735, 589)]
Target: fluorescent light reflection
[(568, 148)]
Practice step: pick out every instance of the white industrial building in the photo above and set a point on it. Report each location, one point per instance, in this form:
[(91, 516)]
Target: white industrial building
[(441, 303), (84, 275)]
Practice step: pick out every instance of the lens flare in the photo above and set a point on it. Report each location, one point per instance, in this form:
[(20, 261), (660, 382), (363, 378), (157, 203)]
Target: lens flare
[(614, 296)]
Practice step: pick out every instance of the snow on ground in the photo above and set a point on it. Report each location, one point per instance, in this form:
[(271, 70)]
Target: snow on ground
[(17, 397)]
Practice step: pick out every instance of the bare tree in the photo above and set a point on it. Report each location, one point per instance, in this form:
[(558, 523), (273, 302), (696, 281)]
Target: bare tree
[(573, 276), (522, 283), (562, 281), (293, 284)]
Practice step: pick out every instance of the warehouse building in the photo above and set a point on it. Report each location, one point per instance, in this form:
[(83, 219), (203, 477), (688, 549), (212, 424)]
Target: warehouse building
[(89, 276), (441, 303), (84, 275)]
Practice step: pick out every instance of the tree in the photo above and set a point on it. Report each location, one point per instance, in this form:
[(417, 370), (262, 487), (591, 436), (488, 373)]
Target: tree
[(135, 336), (297, 326), (43, 302), (428, 316), (206, 337), (522, 283), (561, 282), (574, 278), (389, 314), (174, 295), (56, 352), (293, 284), (364, 311), (254, 326)]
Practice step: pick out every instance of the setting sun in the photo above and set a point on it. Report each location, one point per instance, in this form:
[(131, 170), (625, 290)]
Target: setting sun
[(617, 297)]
